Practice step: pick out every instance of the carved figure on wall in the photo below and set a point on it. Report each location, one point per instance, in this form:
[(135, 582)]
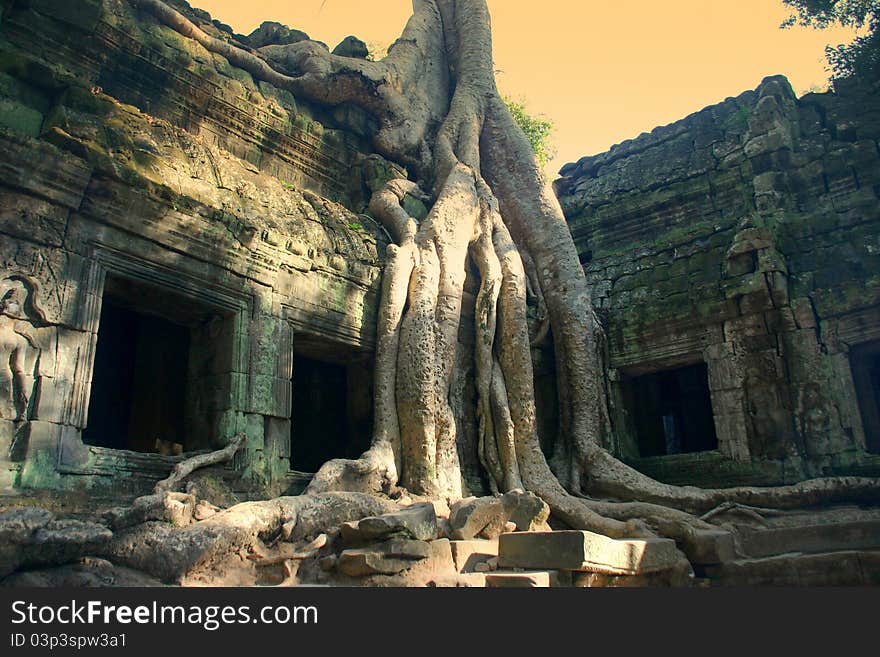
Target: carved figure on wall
[(14, 345), (20, 316)]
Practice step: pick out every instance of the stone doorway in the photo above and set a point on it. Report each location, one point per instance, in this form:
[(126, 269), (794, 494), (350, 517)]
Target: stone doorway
[(154, 371), (332, 409), (671, 411), (865, 364)]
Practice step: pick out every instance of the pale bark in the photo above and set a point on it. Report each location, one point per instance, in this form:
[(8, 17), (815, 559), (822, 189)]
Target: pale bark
[(185, 468), (440, 113)]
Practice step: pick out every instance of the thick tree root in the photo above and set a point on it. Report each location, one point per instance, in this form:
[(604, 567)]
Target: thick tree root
[(611, 478), (166, 503), (374, 473), (224, 541), (185, 468), (439, 110)]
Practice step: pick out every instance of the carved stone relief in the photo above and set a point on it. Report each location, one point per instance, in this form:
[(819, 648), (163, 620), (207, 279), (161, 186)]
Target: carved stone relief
[(21, 317)]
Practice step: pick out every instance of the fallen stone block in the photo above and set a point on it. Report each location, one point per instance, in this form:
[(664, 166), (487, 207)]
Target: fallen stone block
[(388, 558), (478, 516), (462, 580), (349, 533), (489, 517), (526, 510), (709, 547), (526, 579), (679, 576), (586, 551), (467, 554), (418, 522)]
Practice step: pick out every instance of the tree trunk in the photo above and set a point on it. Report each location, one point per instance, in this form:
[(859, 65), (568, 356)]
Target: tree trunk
[(441, 116)]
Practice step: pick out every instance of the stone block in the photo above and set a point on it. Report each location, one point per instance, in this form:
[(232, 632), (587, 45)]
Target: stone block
[(803, 313), (72, 452), (31, 218), (20, 118), (818, 537), (724, 374), (7, 435), (482, 516), (586, 551), (755, 302), (526, 510), (418, 521), (467, 554), (388, 558), (728, 401), (52, 401), (41, 438), (538, 579), (462, 580), (40, 168), (8, 478), (709, 546), (278, 437), (84, 14), (677, 577)]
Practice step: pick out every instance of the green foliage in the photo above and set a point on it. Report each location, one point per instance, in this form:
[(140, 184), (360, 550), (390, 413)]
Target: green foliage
[(537, 129), (862, 56)]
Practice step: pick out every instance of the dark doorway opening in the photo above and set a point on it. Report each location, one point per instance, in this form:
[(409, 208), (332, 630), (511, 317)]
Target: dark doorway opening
[(332, 410), (672, 411), (865, 363), (142, 378)]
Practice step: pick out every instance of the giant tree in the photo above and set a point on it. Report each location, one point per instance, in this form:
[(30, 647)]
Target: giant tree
[(440, 117)]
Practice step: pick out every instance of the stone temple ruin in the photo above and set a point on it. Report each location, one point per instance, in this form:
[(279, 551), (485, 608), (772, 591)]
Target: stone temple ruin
[(734, 256), (186, 255)]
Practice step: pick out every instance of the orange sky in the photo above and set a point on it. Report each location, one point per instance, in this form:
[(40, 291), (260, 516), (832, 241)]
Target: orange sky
[(603, 71)]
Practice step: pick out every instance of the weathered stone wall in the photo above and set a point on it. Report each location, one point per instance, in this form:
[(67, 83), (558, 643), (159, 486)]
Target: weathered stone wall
[(746, 236), (133, 152)]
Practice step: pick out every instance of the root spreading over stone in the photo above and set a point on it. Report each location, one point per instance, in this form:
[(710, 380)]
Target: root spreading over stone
[(440, 115)]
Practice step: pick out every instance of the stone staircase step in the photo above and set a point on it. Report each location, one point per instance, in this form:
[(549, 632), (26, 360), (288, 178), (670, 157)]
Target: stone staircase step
[(824, 537), (841, 568), (586, 551)]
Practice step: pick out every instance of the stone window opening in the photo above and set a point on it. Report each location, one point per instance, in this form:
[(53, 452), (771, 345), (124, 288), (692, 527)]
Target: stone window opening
[(671, 411), (865, 365), (157, 370), (332, 403)]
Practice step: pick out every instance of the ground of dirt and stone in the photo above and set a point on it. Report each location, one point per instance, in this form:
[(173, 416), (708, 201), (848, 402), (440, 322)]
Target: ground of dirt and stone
[(350, 539)]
